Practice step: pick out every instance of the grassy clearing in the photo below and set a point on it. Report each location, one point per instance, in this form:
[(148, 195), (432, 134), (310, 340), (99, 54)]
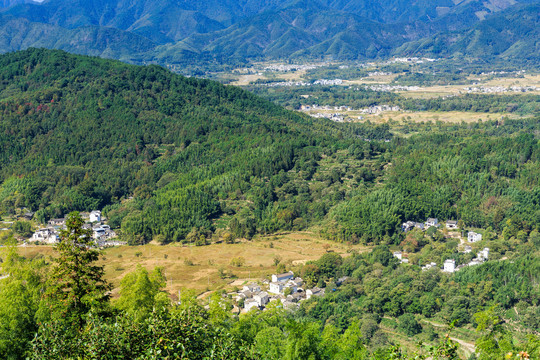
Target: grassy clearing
[(422, 116), (197, 267)]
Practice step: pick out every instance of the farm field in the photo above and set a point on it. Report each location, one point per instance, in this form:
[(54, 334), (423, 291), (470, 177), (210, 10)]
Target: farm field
[(198, 267)]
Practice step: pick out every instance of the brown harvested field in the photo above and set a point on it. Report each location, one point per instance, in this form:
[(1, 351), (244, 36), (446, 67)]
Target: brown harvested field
[(293, 248)]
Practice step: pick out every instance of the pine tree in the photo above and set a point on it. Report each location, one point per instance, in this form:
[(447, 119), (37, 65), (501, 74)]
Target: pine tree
[(76, 284)]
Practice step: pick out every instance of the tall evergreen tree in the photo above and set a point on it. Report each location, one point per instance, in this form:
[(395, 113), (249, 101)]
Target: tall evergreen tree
[(76, 283)]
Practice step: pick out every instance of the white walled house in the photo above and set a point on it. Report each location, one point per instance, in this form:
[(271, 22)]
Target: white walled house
[(282, 277), (95, 216), (250, 304), (314, 292), (397, 254), (432, 222), (45, 235), (253, 287), (474, 237), (483, 254), (451, 224), (262, 298), (98, 233), (449, 266), (276, 287)]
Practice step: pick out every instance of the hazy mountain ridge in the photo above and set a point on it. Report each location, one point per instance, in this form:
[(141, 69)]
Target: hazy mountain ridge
[(179, 31), (513, 34), (17, 34)]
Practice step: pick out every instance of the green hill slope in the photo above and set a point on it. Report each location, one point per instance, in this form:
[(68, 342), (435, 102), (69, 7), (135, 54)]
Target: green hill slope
[(182, 159), (80, 133)]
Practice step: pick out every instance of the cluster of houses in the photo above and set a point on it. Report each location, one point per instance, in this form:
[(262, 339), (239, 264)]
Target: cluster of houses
[(101, 232), (449, 265), (324, 107), (336, 117), (333, 82), (409, 225), (284, 288), (500, 89), (377, 109), (389, 88), (323, 82), (378, 73), (291, 67)]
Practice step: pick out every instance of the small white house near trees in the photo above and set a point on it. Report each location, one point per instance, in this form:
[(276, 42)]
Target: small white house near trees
[(474, 237)]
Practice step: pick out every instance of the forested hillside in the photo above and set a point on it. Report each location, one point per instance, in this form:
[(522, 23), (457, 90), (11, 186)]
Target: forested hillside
[(177, 159), (81, 133)]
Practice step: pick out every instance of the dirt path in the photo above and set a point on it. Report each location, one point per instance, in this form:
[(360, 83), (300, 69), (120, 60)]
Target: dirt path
[(469, 346)]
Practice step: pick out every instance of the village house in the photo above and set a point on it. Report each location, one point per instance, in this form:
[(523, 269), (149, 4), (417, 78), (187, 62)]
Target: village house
[(474, 237), (253, 287), (95, 216), (468, 249), (314, 292), (449, 265), (483, 254), (57, 222), (261, 298), (98, 233), (407, 226), (288, 304), (276, 287), (429, 266), (432, 222), (282, 277), (250, 304), (46, 235), (397, 254), (451, 224)]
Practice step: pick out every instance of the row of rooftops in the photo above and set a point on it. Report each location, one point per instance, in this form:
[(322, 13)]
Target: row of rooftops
[(93, 217), (409, 225), (102, 233), (255, 297), (450, 264)]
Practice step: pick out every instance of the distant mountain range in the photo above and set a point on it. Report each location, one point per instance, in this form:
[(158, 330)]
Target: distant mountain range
[(170, 31)]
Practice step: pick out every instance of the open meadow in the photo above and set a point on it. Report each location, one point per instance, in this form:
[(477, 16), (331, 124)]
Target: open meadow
[(198, 267)]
